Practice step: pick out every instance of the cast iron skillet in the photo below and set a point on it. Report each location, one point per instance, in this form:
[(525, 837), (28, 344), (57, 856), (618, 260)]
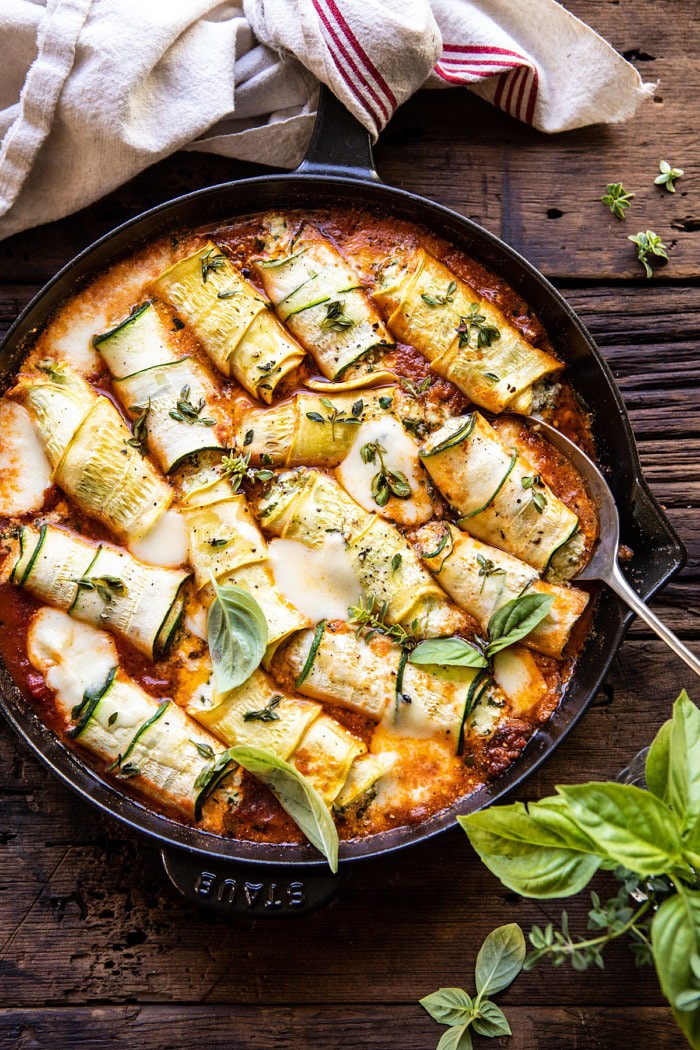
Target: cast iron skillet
[(257, 879)]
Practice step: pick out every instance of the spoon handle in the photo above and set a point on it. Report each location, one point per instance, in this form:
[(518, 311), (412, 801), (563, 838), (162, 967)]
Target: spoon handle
[(622, 588)]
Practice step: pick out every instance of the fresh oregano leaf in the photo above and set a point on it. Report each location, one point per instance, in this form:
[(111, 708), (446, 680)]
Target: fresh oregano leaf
[(492, 1021), (237, 635), (448, 652), (500, 959), (450, 1006), (297, 796), (516, 619)]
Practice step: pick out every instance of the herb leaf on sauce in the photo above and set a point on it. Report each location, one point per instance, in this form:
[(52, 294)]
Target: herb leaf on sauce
[(236, 634)]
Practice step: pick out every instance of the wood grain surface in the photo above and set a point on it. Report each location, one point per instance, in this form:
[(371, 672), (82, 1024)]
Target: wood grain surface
[(96, 949)]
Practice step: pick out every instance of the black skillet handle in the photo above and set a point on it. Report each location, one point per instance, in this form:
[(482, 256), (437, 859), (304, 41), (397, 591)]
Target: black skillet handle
[(239, 890), (339, 144)]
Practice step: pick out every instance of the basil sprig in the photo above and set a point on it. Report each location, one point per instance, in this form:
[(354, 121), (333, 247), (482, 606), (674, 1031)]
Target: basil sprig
[(650, 839), (297, 796), (448, 652), (498, 963), (516, 619), (237, 635)]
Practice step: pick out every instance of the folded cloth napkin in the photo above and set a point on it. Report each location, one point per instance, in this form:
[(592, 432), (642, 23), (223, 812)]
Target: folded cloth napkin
[(93, 91)]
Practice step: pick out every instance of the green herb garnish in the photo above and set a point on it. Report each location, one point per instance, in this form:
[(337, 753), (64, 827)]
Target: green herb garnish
[(139, 427), (335, 415), (237, 635), (617, 198), (335, 320), (212, 261), (448, 652), (415, 390), (385, 402), (108, 587), (648, 244), (668, 176), (265, 714), (205, 750), (236, 467), (486, 569), (485, 332), (372, 617), (186, 412), (516, 619), (534, 483), (435, 299), (498, 963), (386, 482)]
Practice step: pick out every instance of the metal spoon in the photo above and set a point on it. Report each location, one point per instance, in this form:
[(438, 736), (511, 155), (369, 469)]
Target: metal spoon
[(604, 564)]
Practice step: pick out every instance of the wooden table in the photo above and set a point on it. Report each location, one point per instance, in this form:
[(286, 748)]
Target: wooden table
[(97, 948)]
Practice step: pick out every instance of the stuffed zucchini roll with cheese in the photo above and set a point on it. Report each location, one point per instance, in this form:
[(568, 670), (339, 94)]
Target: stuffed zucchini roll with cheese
[(482, 578), (92, 452), (171, 400), (226, 543), (373, 676), (288, 726), (499, 497), (320, 298), (156, 747), (312, 430), (101, 585), (230, 319), (307, 506), (465, 337)]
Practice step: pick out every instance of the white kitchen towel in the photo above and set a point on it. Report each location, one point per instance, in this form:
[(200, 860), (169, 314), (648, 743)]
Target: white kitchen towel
[(94, 91)]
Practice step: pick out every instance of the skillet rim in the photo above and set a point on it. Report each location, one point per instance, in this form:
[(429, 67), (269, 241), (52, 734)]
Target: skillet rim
[(169, 833)]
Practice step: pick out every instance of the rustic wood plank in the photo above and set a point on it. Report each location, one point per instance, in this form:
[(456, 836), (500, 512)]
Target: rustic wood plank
[(307, 1028), (88, 914)]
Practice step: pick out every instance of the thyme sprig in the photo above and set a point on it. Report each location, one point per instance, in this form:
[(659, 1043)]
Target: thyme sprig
[(668, 176), (335, 320), (335, 415), (436, 299), (372, 618), (265, 714), (212, 261), (648, 244), (534, 483), (187, 412), (386, 482), (474, 321), (108, 587), (236, 467), (486, 569), (139, 427), (415, 390), (617, 199)]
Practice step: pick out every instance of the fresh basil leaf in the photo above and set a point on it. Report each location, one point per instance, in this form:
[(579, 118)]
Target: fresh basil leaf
[(538, 852), (500, 959), (491, 1020), (628, 825), (452, 652), (684, 764), (448, 1006), (236, 634), (514, 620), (297, 796), (656, 772), (459, 1038), (675, 937)]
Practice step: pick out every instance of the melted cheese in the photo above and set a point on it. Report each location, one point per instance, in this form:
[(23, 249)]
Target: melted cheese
[(165, 543), (25, 474), (71, 338), (401, 455), (72, 656), (319, 581)]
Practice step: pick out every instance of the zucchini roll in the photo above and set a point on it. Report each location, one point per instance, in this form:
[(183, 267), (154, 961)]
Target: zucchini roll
[(313, 430), (306, 505), (92, 453), (373, 676), (290, 727), (481, 579), (499, 496), (171, 399), (465, 338), (101, 585), (230, 319), (155, 746), (320, 298), (225, 541)]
